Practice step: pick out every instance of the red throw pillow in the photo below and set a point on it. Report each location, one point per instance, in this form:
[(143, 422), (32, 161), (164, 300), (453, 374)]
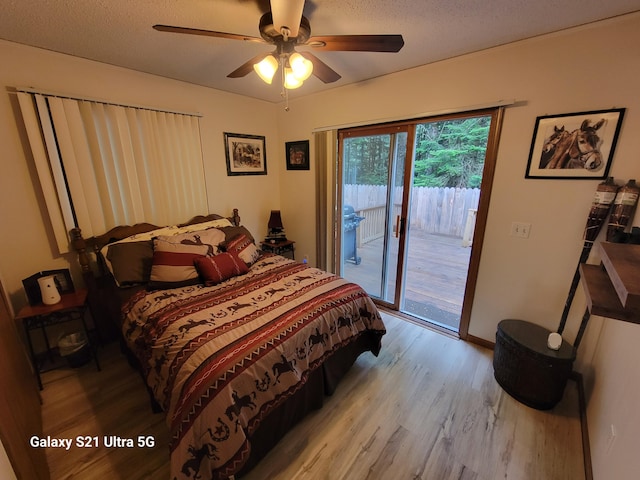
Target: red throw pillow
[(219, 268)]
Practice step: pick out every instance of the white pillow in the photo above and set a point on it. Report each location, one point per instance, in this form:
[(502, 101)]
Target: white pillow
[(211, 238)]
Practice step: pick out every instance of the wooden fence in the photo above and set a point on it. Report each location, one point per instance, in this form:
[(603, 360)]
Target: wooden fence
[(442, 211)]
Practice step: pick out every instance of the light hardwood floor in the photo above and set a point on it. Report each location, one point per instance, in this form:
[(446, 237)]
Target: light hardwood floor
[(427, 408)]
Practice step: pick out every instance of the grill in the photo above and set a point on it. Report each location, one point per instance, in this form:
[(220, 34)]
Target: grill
[(350, 223)]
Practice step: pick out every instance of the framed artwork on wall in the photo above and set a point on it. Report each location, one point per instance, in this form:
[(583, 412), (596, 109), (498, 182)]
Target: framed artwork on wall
[(574, 145), (297, 155), (245, 154)]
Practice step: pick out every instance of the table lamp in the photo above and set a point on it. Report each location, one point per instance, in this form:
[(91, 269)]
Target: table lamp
[(276, 230)]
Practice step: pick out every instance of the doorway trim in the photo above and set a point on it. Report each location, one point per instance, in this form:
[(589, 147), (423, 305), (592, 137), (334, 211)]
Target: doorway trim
[(497, 115), (488, 173)]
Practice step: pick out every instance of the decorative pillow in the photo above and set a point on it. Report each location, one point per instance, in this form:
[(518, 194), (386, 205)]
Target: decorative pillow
[(138, 237), (244, 248), (210, 238), (231, 232), (219, 223), (139, 269), (221, 267), (173, 264), (130, 262)]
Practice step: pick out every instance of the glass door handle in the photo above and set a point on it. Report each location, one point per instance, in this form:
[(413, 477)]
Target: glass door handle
[(400, 224)]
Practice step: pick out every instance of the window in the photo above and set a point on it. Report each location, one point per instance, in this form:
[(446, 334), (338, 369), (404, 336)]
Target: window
[(102, 165)]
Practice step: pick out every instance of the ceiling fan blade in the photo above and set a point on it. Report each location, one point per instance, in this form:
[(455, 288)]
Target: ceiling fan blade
[(207, 33), (247, 67), (321, 70), (357, 43)]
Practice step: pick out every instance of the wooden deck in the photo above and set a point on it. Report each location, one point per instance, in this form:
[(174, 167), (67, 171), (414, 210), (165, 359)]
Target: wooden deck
[(435, 280)]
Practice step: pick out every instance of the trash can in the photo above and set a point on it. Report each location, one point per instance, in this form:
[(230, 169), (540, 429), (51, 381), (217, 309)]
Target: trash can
[(350, 223), (74, 347)]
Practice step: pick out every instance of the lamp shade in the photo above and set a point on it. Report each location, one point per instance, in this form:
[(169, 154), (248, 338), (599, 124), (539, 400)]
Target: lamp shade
[(290, 80), (275, 220), (266, 68), (301, 67)]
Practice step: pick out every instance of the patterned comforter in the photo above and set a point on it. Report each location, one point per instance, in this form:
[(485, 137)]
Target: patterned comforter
[(219, 359)]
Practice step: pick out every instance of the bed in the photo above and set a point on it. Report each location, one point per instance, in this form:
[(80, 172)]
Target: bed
[(236, 355)]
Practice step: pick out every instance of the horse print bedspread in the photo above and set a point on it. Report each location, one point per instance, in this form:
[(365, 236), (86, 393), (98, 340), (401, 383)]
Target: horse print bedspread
[(219, 359)]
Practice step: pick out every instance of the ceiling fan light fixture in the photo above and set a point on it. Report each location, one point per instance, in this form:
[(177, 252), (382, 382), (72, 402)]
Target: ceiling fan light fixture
[(266, 68), (287, 14), (301, 67), (291, 82)]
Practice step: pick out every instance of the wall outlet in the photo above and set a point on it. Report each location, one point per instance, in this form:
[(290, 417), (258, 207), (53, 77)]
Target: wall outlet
[(520, 229)]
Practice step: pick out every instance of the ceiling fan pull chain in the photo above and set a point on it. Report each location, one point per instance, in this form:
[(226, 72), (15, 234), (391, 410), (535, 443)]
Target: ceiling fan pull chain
[(284, 92)]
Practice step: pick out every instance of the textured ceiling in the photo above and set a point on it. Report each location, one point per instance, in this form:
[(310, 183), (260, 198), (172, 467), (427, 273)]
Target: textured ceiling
[(119, 32)]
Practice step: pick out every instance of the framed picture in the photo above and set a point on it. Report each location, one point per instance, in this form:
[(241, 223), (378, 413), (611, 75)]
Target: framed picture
[(297, 155), (574, 145), (62, 279), (246, 154)]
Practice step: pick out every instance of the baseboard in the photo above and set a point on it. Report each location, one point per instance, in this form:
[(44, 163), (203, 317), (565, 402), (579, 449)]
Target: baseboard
[(480, 341), (586, 449)]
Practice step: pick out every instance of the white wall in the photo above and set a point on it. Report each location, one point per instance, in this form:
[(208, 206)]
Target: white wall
[(26, 244), (589, 68)]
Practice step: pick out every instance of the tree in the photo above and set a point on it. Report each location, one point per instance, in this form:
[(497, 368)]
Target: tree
[(451, 153), (362, 165), (448, 153)]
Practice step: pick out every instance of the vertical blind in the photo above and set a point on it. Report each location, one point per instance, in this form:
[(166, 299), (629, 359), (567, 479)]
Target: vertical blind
[(101, 165), (326, 202)]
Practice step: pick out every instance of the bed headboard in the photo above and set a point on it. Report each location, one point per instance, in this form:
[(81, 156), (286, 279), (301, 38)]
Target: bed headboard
[(85, 246), (105, 297)]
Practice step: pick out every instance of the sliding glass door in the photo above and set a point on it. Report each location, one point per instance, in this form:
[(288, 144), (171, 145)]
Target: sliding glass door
[(373, 176), (412, 212)]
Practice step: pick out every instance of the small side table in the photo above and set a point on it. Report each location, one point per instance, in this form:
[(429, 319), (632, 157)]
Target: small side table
[(72, 306), (286, 248), (526, 368)]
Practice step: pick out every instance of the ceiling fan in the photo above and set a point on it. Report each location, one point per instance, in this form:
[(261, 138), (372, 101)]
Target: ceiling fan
[(286, 28)]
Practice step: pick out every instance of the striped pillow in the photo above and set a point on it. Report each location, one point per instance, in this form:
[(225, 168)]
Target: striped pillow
[(173, 265), (244, 248), (221, 267), (211, 238)]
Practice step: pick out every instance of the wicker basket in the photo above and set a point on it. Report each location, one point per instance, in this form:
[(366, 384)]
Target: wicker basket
[(526, 368)]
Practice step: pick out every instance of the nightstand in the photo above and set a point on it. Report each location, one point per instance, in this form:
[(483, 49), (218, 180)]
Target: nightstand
[(286, 248), (72, 306), (526, 368)]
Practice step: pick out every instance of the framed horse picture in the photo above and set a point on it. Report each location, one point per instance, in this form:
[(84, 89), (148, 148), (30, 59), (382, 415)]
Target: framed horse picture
[(574, 145)]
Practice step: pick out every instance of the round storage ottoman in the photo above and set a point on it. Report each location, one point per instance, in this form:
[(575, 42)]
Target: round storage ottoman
[(526, 368)]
